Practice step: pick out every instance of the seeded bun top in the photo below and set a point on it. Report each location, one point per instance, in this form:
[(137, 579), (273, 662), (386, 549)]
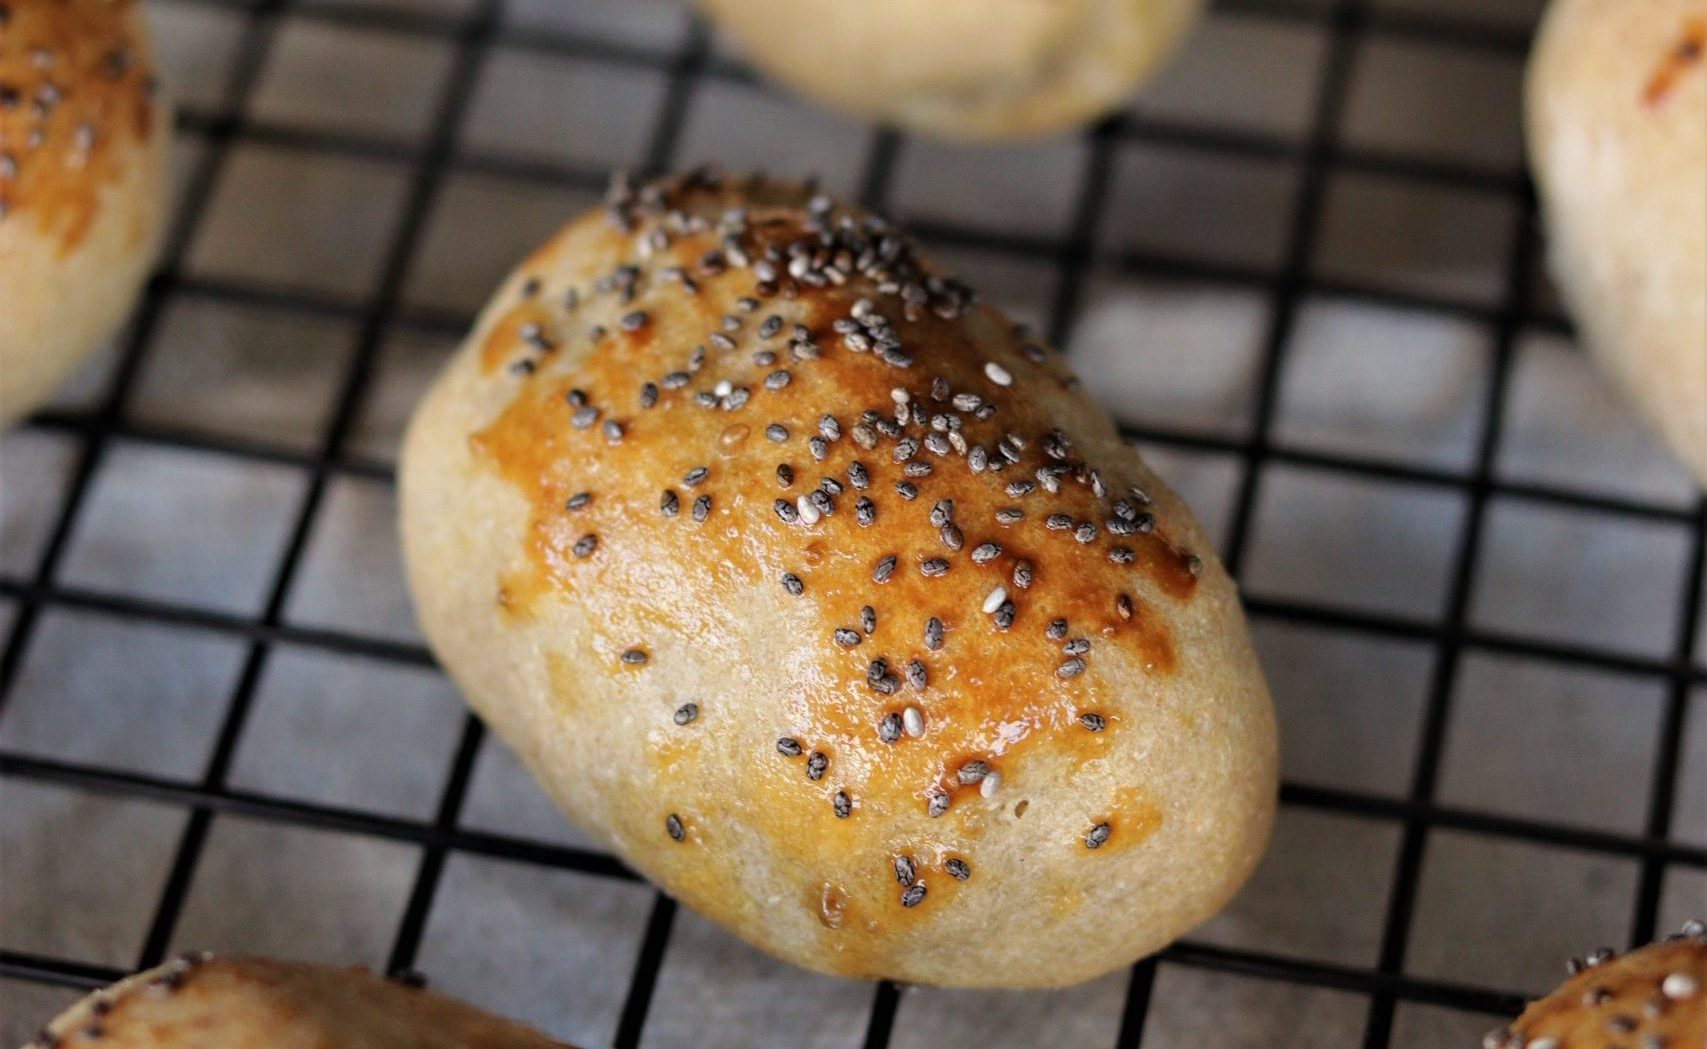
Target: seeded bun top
[(76, 94), (201, 1002), (951, 486), (825, 597), (1652, 998)]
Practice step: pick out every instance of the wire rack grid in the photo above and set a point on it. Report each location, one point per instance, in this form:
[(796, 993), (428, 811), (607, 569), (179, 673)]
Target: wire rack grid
[(223, 120)]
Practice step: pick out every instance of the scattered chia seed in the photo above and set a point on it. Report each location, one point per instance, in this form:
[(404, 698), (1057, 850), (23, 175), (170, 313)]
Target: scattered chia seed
[(885, 568), (905, 872), (889, 729)]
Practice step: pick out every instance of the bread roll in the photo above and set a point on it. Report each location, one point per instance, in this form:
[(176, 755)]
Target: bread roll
[(1653, 998), (979, 69), (1617, 120), (84, 145), (199, 1002), (826, 598)]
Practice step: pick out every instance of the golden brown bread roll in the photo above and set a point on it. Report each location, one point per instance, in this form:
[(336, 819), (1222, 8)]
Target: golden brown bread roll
[(960, 68), (1652, 998), (199, 1002), (1617, 121), (84, 145), (824, 597)]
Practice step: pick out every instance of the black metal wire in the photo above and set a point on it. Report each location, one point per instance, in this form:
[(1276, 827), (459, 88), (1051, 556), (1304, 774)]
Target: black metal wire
[(1284, 304), (1662, 791), (1319, 157), (245, 72), (1449, 657)]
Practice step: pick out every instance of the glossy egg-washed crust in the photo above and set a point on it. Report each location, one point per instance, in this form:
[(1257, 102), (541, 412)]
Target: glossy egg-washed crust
[(1616, 102), (197, 1001), (744, 702), (960, 68), (83, 156), (1652, 998)]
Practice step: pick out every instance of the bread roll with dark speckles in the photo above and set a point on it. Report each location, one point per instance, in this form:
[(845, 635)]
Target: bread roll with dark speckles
[(84, 148), (1617, 120), (827, 599), (1652, 998), (200, 1002), (977, 69)]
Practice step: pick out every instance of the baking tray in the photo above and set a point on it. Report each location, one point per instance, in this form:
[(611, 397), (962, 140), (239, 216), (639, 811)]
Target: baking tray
[(1303, 269)]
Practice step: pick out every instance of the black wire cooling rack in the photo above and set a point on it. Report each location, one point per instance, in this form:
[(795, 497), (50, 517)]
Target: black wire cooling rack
[(1318, 156)]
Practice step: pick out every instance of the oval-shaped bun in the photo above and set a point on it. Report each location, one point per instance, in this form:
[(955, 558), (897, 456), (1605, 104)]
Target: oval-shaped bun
[(750, 533), (84, 148), (960, 68), (199, 1002), (1652, 997), (1617, 122)]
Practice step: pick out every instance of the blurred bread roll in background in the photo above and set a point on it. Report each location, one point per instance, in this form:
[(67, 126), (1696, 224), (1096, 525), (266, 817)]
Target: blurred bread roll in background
[(828, 599), (84, 148), (981, 69), (1617, 119), (200, 1002)]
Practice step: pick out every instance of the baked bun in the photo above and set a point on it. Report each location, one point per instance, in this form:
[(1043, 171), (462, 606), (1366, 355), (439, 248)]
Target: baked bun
[(84, 147), (1653, 998), (825, 598), (1617, 121), (960, 68), (201, 1002)]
